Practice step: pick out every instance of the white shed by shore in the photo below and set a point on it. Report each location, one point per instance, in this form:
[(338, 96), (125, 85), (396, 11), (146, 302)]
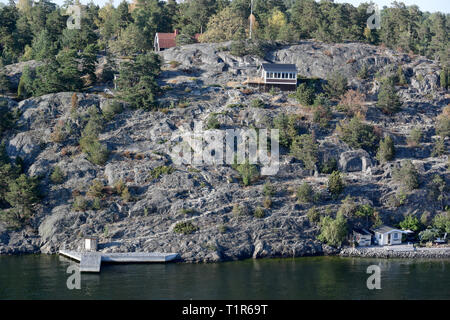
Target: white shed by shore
[(386, 236)]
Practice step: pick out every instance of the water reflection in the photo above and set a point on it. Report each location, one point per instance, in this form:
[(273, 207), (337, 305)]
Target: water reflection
[(44, 277)]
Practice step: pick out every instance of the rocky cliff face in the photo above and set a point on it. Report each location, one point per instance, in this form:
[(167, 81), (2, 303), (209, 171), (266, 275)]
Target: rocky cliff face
[(203, 83)]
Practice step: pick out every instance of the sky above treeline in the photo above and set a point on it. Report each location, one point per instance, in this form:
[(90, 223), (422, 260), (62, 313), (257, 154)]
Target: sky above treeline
[(424, 5)]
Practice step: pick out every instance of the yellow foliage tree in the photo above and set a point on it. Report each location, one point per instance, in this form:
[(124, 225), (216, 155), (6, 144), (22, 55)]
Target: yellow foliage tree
[(276, 23), (224, 26)]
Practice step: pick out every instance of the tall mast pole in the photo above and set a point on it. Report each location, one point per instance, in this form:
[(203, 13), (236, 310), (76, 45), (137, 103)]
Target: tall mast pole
[(251, 19)]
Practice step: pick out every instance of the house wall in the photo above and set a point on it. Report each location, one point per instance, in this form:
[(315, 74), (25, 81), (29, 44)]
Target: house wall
[(267, 86), (364, 240), (397, 240), (383, 238), (276, 77)]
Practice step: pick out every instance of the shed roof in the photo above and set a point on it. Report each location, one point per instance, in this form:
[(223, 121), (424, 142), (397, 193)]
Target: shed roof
[(166, 40), (276, 67), (385, 229), (362, 232)]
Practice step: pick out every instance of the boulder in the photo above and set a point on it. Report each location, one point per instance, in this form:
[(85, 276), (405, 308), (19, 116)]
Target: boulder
[(355, 161)]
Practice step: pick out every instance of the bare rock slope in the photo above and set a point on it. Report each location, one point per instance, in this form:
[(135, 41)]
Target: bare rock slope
[(203, 82)]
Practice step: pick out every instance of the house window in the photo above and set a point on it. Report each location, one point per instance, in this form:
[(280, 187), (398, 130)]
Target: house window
[(396, 236)]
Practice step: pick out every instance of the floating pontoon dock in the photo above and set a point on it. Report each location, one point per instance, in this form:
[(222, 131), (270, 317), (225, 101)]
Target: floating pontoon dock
[(91, 261)]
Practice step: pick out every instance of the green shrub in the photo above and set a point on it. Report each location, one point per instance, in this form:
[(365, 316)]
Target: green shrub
[(188, 212), (80, 204), (111, 109), (185, 228), (89, 142), (388, 100), (329, 166), (407, 176), (415, 137), (410, 223), (335, 183), (363, 73), (443, 123), (287, 127), (313, 215), (428, 235), (257, 103), (322, 100), (238, 49), (212, 123), (442, 222), (259, 213), (96, 204), (96, 189), (125, 195), (364, 211), (401, 79), (223, 229), (158, 172), (386, 150), (137, 83), (305, 193), (267, 203), (304, 148), (438, 190), (22, 194), (273, 91), (242, 48), (119, 186), (238, 210), (305, 94), (333, 231), (439, 148), (57, 176), (358, 135), (8, 117), (268, 189), (336, 85), (444, 78), (322, 115), (249, 173)]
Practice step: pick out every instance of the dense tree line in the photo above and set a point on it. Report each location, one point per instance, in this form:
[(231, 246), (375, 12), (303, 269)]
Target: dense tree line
[(38, 30)]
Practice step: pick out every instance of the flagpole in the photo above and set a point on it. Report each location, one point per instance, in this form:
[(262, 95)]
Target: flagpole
[(251, 20)]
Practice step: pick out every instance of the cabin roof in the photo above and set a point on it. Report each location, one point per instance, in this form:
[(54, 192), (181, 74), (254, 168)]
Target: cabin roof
[(362, 232), (278, 67), (385, 229), (166, 40)]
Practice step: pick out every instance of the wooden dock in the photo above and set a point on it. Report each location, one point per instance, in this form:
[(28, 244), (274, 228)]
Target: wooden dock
[(91, 261)]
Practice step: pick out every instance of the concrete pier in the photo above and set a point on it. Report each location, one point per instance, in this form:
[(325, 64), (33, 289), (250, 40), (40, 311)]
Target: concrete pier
[(91, 261)]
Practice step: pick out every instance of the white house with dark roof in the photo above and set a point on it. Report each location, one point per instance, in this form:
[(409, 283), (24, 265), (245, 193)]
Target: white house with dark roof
[(282, 74), (386, 236)]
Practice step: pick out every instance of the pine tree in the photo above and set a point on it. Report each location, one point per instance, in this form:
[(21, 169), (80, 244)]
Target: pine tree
[(388, 100), (386, 151), (137, 81), (89, 61)]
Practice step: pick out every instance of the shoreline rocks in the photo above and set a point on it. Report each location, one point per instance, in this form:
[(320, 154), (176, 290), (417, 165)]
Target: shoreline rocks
[(425, 253)]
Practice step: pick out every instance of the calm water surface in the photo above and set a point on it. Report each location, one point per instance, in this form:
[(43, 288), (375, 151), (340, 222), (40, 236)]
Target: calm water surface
[(44, 277)]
